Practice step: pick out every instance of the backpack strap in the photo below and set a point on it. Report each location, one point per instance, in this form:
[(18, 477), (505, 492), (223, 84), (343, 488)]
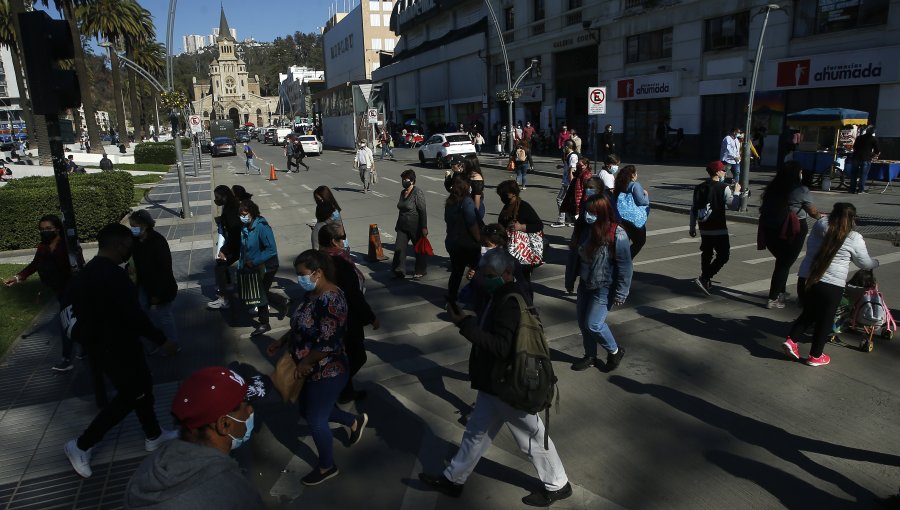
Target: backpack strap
[(889, 322)]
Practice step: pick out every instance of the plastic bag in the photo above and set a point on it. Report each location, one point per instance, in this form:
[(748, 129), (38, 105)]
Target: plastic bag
[(423, 246)]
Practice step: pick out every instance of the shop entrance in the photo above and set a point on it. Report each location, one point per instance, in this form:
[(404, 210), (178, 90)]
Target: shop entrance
[(642, 117), (575, 71), (719, 114)]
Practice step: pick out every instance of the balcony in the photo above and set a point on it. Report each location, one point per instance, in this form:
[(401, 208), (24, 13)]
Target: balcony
[(573, 18)]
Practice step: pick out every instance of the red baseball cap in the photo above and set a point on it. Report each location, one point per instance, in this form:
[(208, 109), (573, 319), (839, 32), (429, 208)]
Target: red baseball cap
[(206, 395), (714, 167)]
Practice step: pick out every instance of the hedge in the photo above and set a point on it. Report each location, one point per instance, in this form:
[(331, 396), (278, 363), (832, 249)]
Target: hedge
[(144, 167), (99, 199), (162, 153)]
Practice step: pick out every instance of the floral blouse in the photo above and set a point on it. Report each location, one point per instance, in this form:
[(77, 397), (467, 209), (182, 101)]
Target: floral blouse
[(319, 324)]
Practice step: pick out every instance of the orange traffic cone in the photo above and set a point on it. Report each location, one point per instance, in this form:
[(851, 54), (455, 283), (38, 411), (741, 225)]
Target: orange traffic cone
[(375, 251), (272, 176)]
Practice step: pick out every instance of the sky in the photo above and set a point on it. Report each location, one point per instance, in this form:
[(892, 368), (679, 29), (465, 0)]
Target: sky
[(263, 20)]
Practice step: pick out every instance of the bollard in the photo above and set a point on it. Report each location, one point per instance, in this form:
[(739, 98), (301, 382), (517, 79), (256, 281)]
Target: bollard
[(272, 176), (376, 253)]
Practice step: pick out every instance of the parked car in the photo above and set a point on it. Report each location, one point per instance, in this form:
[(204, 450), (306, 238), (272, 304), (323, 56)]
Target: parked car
[(281, 134), (311, 144), (269, 136), (441, 147), (242, 135), (222, 145)]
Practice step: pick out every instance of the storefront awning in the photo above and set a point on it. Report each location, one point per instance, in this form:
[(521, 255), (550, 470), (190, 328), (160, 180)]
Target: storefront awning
[(827, 117)]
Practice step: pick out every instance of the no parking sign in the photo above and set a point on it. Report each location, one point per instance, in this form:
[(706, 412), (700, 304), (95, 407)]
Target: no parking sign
[(596, 100)]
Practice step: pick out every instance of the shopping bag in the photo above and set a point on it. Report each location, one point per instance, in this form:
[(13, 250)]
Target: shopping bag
[(423, 246), (498, 149), (527, 248), (374, 176), (284, 378), (511, 166), (251, 292), (631, 212)]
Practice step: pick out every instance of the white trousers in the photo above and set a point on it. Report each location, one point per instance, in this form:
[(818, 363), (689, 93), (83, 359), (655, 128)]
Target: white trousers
[(484, 423)]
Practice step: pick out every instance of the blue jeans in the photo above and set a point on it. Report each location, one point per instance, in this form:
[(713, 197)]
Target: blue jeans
[(521, 171), (386, 149), (317, 405), (161, 315), (251, 164), (860, 173), (592, 306)]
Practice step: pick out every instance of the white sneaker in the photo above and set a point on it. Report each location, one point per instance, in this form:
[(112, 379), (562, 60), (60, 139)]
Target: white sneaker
[(775, 303), (80, 459), (219, 303), (166, 435), (558, 224)]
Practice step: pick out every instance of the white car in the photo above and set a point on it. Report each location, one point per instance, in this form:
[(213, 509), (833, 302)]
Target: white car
[(442, 147), (311, 144), (281, 134)]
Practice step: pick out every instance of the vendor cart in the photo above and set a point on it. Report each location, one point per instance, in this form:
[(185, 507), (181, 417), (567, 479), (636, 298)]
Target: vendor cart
[(821, 151)]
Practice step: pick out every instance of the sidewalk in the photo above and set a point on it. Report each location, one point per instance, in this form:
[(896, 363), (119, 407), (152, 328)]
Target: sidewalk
[(671, 186)]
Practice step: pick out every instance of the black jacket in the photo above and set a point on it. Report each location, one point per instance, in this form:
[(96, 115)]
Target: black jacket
[(360, 313), (153, 267), (492, 345), (101, 306), (230, 221)]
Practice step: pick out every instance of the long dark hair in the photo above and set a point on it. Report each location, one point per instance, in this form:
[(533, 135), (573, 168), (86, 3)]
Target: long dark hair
[(223, 191), (600, 232), (313, 260), (53, 220), (240, 193), (840, 223), (782, 184), (623, 178), (324, 192), (459, 190)]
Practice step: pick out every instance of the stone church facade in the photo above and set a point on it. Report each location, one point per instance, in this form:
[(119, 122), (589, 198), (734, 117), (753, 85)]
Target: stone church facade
[(230, 93)]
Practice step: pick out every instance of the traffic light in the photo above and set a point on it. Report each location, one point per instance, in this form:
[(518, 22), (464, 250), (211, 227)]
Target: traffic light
[(46, 41)]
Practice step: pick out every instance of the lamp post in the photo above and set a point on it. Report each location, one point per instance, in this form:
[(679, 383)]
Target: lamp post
[(173, 114), (509, 83), (745, 157)]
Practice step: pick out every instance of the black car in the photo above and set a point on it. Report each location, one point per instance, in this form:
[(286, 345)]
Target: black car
[(242, 135), (222, 146)]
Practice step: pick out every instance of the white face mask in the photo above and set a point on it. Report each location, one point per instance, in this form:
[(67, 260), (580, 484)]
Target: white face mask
[(613, 169)]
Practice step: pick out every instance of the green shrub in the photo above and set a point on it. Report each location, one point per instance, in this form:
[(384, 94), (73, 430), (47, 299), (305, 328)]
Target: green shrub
[(99, 199), (143, 167), (161, 153)]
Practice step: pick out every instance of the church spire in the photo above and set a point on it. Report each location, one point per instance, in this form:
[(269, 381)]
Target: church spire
[(224, 31)]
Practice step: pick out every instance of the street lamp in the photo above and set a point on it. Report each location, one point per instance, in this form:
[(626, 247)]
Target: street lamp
[(509, 82), (170, 86), (745, 158)]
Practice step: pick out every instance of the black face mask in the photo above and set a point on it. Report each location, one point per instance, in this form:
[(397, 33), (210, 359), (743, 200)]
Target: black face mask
[(477, 187), (407, 183), (47, 236), (505, 200)]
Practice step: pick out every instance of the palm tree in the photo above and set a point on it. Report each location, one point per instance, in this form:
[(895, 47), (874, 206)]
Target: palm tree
[(114, 20), (148, 34), (150, 55)]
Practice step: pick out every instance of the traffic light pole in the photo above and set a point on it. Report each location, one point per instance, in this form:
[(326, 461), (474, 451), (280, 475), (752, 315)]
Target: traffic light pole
[(63, 190)]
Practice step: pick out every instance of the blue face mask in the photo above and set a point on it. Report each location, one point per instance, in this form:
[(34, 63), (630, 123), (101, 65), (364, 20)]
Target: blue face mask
[(245, 219), (589, 217), (136, 231), (236, 442), (589, 192), (306, 282)]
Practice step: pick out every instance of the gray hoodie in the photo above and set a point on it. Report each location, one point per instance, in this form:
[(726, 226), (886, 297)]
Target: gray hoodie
[(185, 475)]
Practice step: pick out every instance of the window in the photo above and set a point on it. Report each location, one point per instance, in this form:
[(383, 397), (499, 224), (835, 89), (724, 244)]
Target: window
[(376, 44), (386, 19), (389, 45), (374, 20), (374, 6), (730, 31), (648, 46), (823, 16), (509, 17), (536, 70), (538, 10), (574, 4)]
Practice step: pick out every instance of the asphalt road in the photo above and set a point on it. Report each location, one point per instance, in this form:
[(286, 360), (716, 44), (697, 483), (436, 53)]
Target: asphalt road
[(705, 411)]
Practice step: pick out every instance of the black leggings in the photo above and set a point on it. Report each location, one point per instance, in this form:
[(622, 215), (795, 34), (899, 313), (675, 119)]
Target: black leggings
[(459, 259), (786, 253), (637, 235), (820, 302)]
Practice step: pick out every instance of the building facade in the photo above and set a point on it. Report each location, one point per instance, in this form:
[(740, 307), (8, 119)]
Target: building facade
[(230, 93), (11, 123), (677, 72), (354, 44), (296, 88), (193, 43)]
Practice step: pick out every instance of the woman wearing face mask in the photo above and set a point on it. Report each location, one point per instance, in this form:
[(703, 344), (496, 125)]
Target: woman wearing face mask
[(327, 211), (153, 268), (583, 174), (51, 262), (258, 254), (229, 226), (472, 171), (601, 258), (628, 188), (316, 343), (518, 215), (412, 225), (608, 173), (463, 241)]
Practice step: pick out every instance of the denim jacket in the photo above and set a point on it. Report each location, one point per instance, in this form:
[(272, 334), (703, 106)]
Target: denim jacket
[(604, 272)]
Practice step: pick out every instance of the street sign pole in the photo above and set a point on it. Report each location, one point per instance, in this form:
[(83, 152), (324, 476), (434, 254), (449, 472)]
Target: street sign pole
[(596, 107)]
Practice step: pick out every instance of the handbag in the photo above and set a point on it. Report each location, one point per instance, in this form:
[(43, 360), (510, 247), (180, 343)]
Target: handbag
[(284, 378), (527, 248), (251, 292), (511, 166), (629, 211), (423, 247), (791, 227)]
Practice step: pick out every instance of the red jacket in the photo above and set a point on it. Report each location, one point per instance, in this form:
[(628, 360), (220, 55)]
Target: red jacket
[(563, 137), (583, 174)]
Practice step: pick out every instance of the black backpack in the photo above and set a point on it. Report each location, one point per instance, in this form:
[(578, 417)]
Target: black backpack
[(526, 380)]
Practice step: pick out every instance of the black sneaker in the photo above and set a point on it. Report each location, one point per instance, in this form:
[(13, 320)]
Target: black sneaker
[(613, 360), (261, 329), (584, 363), (546, 498), (703, 285), (361, 422), (63, 366), (315, 477), (440, 482)]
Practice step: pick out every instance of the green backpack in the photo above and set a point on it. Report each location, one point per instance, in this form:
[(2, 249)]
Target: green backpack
[(526, 380)]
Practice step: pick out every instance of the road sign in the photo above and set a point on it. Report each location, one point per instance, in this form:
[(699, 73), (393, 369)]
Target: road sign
[(596, 100), (372, 115), (195, 123)]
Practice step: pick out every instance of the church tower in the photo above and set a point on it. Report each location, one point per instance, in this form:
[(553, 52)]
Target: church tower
[(228, 73)]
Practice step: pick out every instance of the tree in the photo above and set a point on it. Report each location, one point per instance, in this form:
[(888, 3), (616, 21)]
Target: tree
[(116, 21), (149, 55), (147, 35)]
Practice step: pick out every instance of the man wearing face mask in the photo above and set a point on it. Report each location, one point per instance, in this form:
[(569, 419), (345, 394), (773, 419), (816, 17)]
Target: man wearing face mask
[(101, 310), (52, 264), (731, 153), (493, 336), (196, 471)]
